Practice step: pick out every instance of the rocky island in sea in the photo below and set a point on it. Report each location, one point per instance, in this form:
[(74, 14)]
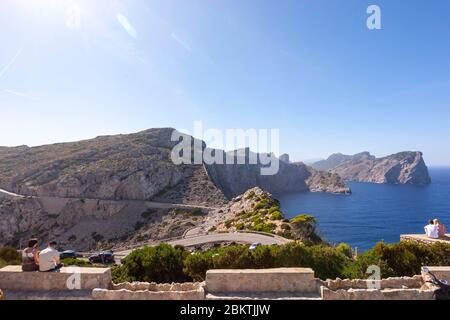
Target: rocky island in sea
[(401, 168)]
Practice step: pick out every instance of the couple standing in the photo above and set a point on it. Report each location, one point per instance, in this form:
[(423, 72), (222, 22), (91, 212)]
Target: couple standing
[(435, 229)]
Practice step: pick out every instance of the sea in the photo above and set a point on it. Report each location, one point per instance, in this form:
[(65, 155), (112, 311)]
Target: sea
[(374, 212)]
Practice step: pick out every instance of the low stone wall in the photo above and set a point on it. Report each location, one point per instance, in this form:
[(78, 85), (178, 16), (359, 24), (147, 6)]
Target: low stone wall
[(404, 288), (264, 280), (373, 294), (71, 278), (442, 273), (421, 238), (151, 291), (389, 283)]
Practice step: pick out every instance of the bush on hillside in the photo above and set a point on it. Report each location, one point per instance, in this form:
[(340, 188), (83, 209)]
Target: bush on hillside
[(10, 256), (162, 264), (119, 274), (399, 259), (76, 262)]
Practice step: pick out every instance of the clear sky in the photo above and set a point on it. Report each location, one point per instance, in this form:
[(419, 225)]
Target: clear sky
[(310, 68)]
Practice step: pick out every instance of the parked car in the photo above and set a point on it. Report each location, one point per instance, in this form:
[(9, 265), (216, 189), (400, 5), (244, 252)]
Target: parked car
[(106, 257), (68, 254), (254, 245)]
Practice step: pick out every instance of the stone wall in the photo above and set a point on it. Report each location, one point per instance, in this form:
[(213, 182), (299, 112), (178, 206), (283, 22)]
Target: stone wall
[(264, 280), (71, 278), (442, 273), (373, 294), (404, 288), (392, 283), (151, 291), (422, 238)]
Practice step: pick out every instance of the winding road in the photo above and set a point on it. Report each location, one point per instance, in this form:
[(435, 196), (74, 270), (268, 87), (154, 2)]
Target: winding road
[(239, 237)]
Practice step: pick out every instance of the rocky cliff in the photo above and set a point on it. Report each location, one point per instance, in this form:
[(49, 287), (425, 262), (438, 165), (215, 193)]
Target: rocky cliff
[(234, 180), (399, 168)]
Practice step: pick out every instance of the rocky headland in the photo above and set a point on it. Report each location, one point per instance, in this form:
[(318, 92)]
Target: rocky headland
[(400, 168)]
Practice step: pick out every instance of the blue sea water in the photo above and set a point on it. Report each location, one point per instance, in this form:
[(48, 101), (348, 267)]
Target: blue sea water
[(374, 212)]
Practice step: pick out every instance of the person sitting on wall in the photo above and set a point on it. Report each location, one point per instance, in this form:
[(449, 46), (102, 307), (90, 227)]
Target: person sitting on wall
[(431, 230), (441, 228), (30, 256), (49, 259)]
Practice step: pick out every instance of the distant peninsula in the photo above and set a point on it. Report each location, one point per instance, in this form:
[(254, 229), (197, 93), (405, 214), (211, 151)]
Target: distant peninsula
[(406, 167)]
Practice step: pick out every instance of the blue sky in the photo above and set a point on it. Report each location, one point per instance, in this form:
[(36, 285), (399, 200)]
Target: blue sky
[(309, 68)]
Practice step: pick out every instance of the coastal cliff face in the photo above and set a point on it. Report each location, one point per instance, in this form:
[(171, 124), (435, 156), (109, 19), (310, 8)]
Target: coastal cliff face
[(234, 180), (96, 191), (399, 168)]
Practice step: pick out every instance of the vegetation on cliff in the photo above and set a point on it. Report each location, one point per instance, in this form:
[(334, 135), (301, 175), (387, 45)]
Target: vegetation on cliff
[(260, 212)]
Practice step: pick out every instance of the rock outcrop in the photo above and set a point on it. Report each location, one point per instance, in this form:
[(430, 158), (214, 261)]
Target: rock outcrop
[(399, 168), (257, 210)]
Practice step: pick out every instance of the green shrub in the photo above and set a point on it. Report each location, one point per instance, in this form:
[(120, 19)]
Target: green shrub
[(273, 209), (399, 259), (76, 262), (173, 264), (162, 264), (3, 263), (119, 274), (303, 218), (196, 265), (10, 255), (233, 257), (357, 268), (240, 226), (345, 249), (327, 262), (406, 258), (264, 227), (276, 215)]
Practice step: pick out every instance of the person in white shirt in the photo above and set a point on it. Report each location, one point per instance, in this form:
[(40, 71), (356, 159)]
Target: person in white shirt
[(49, 259), (431, 230)]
